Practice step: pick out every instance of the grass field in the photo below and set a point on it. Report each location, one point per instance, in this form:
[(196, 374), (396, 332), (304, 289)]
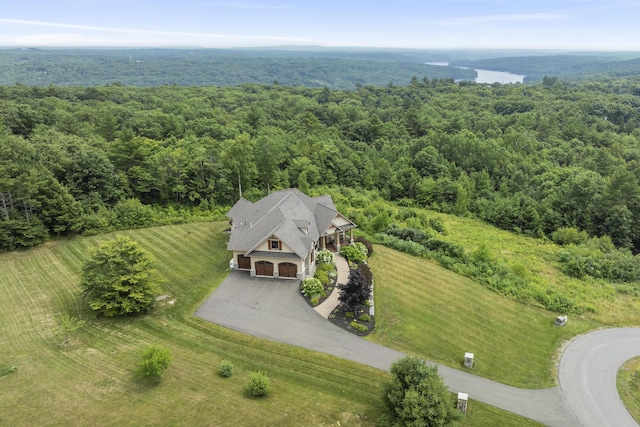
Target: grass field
[(629, 386), (536, 259), (91, 380), (426, 310)]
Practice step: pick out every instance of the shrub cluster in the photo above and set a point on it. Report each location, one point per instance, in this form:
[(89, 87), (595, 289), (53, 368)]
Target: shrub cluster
[(617, 265), (312, 287), (325, 272), (426, 239)]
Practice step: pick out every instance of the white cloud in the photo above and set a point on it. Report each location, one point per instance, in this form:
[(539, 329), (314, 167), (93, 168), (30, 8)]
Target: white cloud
[(21, 33)]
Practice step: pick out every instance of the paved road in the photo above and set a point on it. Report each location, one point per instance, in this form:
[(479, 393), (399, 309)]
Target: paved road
[(587, 375), (272, 309)]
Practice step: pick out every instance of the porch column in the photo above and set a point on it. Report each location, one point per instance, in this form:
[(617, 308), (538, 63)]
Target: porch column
[(351, 236), (336, 239)]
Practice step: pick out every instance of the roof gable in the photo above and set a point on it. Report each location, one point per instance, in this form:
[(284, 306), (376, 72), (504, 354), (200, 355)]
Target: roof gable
[(290, 215)]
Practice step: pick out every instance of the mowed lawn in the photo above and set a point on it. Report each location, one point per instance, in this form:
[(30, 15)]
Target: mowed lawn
[(431, 312), (91, 380)]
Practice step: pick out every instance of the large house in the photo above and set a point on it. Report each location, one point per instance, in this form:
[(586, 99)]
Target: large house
[(279, 235)]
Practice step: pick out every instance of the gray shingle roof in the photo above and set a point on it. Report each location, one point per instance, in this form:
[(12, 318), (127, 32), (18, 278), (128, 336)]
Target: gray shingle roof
[(290, 215)]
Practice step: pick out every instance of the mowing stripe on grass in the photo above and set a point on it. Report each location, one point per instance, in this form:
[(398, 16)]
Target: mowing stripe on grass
[(426, 310)]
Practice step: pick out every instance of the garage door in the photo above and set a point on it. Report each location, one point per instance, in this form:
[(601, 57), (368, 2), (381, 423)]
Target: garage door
[(264, 268), (288, 269), (244, 262)]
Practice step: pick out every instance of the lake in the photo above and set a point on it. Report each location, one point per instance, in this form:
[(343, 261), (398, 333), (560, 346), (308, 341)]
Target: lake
[(489, 76)]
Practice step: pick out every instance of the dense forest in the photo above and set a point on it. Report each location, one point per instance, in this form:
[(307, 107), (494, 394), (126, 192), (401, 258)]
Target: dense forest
[(335, 69), (547, 161)]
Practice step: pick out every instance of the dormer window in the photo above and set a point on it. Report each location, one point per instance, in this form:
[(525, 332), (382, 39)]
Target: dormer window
[(275, 245)]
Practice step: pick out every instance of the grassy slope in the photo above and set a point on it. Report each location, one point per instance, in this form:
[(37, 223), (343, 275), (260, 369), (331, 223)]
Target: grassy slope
[(92, 378), (426, 310), (536, 259), (629, 386)]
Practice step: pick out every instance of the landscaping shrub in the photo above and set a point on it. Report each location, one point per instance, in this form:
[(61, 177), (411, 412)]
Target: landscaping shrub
[(325, 256), (322, 276), (365, 317), (362, 248), (315, 301), (326, 268), (225, 369), (352, 254), (359, 327), (258, 384), (366, 273), (355, 292), (366, 243), (312, 287)]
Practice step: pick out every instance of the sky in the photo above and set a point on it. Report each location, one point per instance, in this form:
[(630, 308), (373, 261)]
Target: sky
[(424, 24)]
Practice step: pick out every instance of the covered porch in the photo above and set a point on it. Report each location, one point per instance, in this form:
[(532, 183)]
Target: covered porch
[(336, 237)]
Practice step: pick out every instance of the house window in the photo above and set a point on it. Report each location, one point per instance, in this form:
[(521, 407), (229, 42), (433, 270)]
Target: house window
[(275, 245)]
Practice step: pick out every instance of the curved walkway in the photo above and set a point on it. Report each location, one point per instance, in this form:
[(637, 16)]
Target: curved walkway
[(272, 309), (327, 306)]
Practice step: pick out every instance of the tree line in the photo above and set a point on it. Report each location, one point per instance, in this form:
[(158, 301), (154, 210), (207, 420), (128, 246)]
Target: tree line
[(533, 159)]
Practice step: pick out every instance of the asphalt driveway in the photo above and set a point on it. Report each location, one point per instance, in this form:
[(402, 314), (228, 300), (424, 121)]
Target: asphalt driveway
[(272, 309)]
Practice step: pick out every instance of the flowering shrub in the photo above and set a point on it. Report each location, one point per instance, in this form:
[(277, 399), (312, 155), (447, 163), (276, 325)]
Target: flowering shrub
[(325, 256), (362, 248)]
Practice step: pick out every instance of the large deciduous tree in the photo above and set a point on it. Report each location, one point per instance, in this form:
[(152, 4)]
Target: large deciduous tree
[(119, 278), (417, 396)]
